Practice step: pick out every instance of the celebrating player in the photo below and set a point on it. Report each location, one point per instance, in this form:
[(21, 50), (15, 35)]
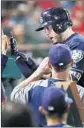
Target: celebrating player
[(57, 24)]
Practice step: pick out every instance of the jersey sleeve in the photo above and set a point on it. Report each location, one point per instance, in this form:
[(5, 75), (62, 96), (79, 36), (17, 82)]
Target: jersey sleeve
[(20, 94), (78, 64)]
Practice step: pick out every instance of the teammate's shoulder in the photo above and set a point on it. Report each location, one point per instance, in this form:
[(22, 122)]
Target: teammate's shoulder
[(77, 42), (79, 38), (41, 83)]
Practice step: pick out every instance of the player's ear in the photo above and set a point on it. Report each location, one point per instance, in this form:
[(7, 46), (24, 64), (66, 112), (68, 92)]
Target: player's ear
[(68, 108), (49, 64), (41, 110), (72, 63)]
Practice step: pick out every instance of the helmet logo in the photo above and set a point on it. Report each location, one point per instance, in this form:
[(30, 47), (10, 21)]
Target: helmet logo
[(45, 13), (41, 20)]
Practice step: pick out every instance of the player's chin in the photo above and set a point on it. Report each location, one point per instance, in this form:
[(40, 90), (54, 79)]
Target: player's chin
[(54, 42)]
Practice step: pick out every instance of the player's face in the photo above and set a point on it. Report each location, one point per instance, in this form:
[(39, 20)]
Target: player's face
[(55, 38)]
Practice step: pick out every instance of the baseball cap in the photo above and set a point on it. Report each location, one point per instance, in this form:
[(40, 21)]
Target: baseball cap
[(60, 55), (53, 15), (55, 100)]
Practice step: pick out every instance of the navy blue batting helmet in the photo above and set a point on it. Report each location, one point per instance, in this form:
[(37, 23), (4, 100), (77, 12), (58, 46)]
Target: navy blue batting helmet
[(58, 17)]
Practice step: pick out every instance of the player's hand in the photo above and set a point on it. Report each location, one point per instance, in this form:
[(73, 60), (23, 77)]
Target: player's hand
[(44, 67), (47, 76), (5, 44)]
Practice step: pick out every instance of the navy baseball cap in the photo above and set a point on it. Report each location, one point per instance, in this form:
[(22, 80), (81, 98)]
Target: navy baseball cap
[(55, 100), (60, 55)]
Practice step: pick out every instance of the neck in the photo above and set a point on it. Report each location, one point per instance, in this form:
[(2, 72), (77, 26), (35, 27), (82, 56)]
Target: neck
[(53, 121), (60, 75), (67, 33)]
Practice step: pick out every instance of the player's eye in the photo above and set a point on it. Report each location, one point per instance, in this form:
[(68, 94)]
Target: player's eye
[(48, 27)]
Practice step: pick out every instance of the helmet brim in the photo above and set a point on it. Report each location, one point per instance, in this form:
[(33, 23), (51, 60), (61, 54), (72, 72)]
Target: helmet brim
[(40, 28)]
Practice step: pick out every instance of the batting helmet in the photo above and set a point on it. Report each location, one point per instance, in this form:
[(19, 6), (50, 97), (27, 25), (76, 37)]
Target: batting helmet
[(59, 18)]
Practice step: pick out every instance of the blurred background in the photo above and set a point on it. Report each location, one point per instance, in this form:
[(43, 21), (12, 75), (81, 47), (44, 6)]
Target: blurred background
[(22, 18)]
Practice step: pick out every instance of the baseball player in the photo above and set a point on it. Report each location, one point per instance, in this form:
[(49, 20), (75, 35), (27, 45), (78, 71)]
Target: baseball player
[(31, 90), (57, 24), (55, 106)]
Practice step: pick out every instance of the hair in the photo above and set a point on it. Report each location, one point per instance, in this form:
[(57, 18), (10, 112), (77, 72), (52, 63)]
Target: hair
[(55, 115), (59, 114), (16, 115), (60, 69)]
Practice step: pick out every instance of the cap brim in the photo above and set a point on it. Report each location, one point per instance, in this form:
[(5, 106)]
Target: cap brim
[(40, 28)]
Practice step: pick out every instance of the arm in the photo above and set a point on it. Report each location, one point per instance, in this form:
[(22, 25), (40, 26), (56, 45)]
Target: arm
[(81, 93), (77, 70), (20, 92), (37, 75), (29, 82)]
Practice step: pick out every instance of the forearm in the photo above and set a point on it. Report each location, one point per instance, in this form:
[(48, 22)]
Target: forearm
[(37, 75), (27, 84), (18, 90), (34, 77)]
